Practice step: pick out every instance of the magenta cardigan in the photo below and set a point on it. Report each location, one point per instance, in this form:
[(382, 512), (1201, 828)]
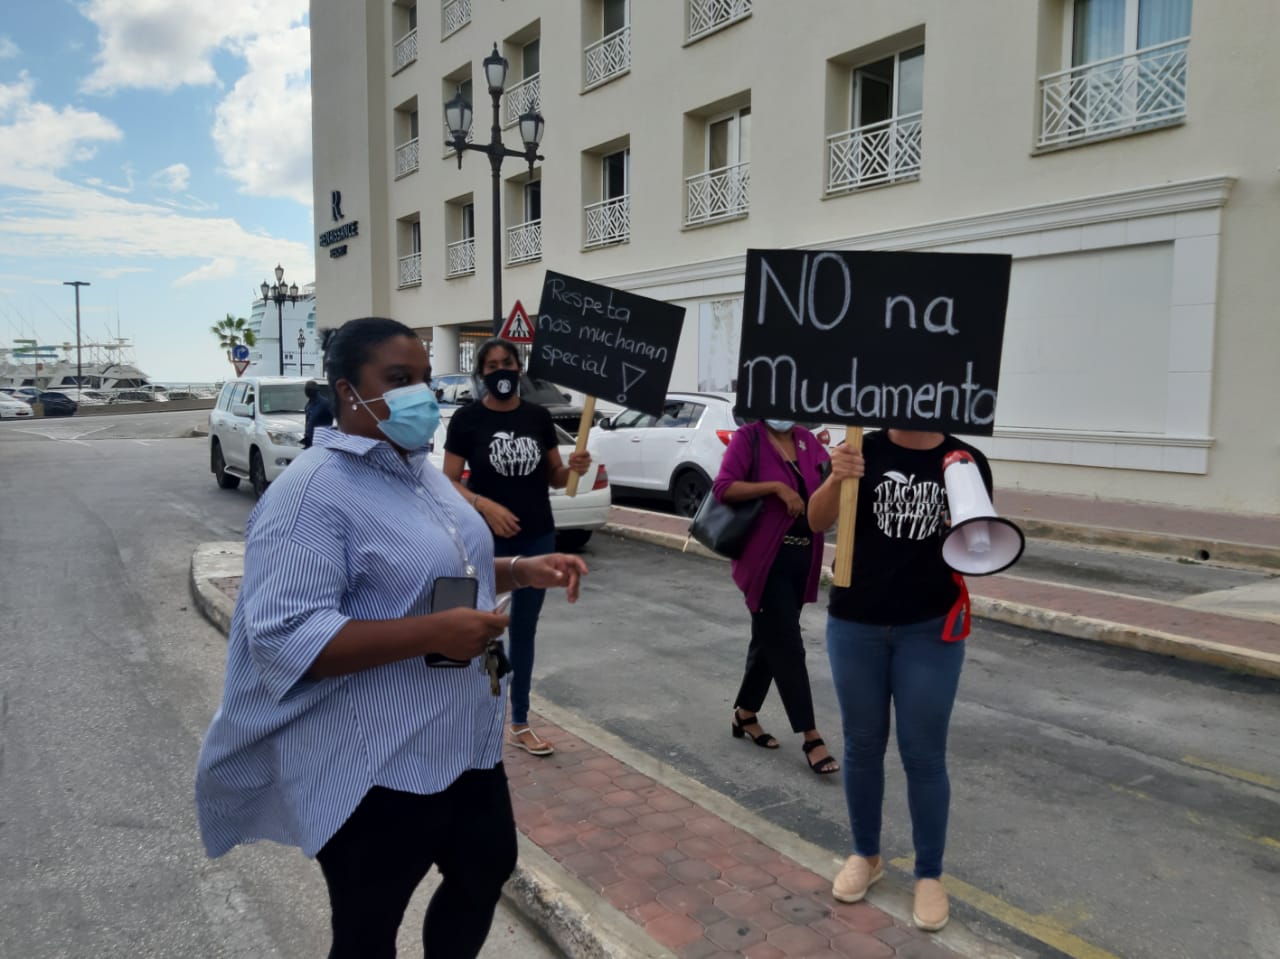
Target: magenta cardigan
[(752, 569)]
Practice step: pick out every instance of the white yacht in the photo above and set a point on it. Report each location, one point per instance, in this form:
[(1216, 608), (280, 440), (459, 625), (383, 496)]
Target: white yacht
[(105, 366)]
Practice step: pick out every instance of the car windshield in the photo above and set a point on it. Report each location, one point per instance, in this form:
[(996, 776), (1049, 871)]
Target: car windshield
[(283, 398), (541, 392)]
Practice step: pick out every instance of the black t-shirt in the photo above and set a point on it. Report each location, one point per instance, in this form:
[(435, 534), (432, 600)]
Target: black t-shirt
[(507, 455), (899, 576)]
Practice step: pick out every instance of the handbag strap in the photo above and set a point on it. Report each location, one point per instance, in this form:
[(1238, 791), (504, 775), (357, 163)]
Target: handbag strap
[(755, 457)]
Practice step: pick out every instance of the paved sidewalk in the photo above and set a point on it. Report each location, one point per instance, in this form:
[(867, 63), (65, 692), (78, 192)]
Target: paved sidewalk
[(1245, 637), (621, 856)]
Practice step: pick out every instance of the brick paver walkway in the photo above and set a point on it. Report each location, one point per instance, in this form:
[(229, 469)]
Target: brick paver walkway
[(693, 881)]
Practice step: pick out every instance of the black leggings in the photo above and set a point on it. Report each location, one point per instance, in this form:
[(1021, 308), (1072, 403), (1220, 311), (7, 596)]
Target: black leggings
[(376, 860), (776, 653)]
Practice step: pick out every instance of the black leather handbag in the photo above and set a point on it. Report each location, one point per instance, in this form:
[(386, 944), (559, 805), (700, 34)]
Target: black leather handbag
[(723, 528)]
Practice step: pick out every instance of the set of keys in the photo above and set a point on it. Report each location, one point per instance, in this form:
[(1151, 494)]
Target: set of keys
[(495, 663)]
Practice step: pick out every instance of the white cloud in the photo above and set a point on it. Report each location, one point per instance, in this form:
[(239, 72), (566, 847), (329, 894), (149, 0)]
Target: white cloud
[(39, 139), (8, 49), (115, 272), (44, 215), (175, 178), (262, 129), (165, 44)]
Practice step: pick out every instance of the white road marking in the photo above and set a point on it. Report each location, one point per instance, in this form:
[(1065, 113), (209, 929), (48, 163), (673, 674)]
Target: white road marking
[(64, 431)]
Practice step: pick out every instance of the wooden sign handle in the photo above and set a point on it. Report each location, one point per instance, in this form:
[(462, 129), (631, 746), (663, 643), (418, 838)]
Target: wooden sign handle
[(584, 427), (843, 573)]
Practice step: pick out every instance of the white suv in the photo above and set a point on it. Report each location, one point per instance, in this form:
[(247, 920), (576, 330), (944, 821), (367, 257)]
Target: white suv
[(255, 429)]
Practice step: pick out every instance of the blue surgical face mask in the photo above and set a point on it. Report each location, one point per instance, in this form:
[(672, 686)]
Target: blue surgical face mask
[(780, 426), (415, 414)]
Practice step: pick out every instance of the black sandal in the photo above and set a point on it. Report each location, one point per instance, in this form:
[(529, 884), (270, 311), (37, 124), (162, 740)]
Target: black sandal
[(824, 766), (764, 740)]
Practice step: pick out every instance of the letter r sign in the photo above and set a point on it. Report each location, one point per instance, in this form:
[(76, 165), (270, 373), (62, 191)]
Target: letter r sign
[(335, 202)]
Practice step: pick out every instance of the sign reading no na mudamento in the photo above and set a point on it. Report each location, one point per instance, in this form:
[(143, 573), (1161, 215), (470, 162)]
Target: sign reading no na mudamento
[(910, 340), (607, 343)]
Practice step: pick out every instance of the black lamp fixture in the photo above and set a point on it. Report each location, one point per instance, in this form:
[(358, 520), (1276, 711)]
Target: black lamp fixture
[(458, 116), (302, 341), (279, 293)]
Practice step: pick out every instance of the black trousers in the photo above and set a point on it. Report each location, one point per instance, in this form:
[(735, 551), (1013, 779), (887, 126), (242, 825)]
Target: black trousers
[(776, 653), (376, 860)]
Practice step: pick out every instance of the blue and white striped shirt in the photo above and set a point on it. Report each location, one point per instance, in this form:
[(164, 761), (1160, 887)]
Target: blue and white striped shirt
[(348, 531)]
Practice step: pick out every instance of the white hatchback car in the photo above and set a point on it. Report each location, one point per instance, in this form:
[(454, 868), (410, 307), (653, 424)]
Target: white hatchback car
[(576, 517)]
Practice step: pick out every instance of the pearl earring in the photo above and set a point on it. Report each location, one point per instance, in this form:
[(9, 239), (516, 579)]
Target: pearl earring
[(353, 406)]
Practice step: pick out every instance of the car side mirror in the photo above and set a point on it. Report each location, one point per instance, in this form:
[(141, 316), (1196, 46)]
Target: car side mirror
[(567, 397), (606, 423), (242, 409)]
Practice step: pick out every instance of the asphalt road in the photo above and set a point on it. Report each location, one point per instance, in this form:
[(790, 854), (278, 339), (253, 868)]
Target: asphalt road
[(108, 679), (1105, 803)]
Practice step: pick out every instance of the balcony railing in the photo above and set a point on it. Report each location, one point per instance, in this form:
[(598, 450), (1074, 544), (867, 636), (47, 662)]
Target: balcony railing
[(406, 158), (454, 15), (524, 242), (411, 270), (707, 16), (609, 221), (460, 258), (406, 50), (1133, 91), (718, 194), (523, 97), (609, 57), (874, 154)]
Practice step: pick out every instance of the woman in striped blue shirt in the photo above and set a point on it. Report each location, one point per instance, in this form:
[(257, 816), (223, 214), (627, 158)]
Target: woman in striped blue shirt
[(336, 732)]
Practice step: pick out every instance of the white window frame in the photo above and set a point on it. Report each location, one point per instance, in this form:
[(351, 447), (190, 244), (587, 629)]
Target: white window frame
[(735, 137), (895, 87), (626, 174)]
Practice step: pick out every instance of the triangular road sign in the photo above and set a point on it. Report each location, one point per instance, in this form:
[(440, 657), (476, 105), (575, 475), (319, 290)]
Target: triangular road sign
[(517, 329), (241, 366)]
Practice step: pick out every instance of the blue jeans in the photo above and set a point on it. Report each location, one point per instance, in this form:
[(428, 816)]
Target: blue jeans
[(913, 667), (526, 606)]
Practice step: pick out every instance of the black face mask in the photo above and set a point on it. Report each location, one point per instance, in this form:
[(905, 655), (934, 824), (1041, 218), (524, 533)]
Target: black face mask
[(502, 384)]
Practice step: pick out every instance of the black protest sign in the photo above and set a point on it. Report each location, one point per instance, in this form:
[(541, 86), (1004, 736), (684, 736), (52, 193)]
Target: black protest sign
[(606, 343), (910, 340)]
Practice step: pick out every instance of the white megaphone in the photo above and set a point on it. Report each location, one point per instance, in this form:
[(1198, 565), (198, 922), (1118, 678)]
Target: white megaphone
[(979, 542)]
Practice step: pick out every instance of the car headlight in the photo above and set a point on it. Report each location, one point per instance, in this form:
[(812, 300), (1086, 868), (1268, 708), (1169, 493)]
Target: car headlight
[(284, 437)]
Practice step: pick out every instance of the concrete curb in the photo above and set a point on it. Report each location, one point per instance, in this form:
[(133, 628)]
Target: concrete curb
[(1224, 552), (580, 922), (1062, 624), (210, 562)]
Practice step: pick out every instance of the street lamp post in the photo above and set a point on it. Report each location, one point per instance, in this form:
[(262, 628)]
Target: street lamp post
[(278, 293), (79, 365), (458, 114), (302, 341)]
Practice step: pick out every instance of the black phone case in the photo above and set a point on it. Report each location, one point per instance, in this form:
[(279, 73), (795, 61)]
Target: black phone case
[(451, 592)]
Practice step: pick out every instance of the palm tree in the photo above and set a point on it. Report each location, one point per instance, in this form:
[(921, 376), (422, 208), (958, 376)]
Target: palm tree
[(233, 331)]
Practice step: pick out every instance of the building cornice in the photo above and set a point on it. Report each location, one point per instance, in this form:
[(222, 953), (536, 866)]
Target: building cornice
[(1166, 198)]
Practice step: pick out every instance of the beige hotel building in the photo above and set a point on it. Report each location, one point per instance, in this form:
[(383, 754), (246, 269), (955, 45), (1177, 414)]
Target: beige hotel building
[(1126, 153)]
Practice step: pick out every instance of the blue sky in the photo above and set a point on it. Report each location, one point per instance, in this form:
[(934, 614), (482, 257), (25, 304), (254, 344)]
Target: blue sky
[(161, 150)]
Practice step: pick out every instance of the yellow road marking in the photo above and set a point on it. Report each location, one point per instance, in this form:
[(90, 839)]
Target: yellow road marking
[(1135, 793), (1052, 932), (1268, 841), (1258, 779)]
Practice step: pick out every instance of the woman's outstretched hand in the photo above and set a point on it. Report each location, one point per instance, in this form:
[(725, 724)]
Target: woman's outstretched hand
[(552, 570)]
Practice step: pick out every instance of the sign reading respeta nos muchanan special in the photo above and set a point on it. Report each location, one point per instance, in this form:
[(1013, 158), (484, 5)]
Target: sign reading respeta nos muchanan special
[(910, 340), (607, 343)]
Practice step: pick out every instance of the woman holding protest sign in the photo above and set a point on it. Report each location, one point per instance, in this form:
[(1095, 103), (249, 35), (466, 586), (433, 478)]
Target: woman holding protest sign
[(778, 573), (511, 449), (893, 636)]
